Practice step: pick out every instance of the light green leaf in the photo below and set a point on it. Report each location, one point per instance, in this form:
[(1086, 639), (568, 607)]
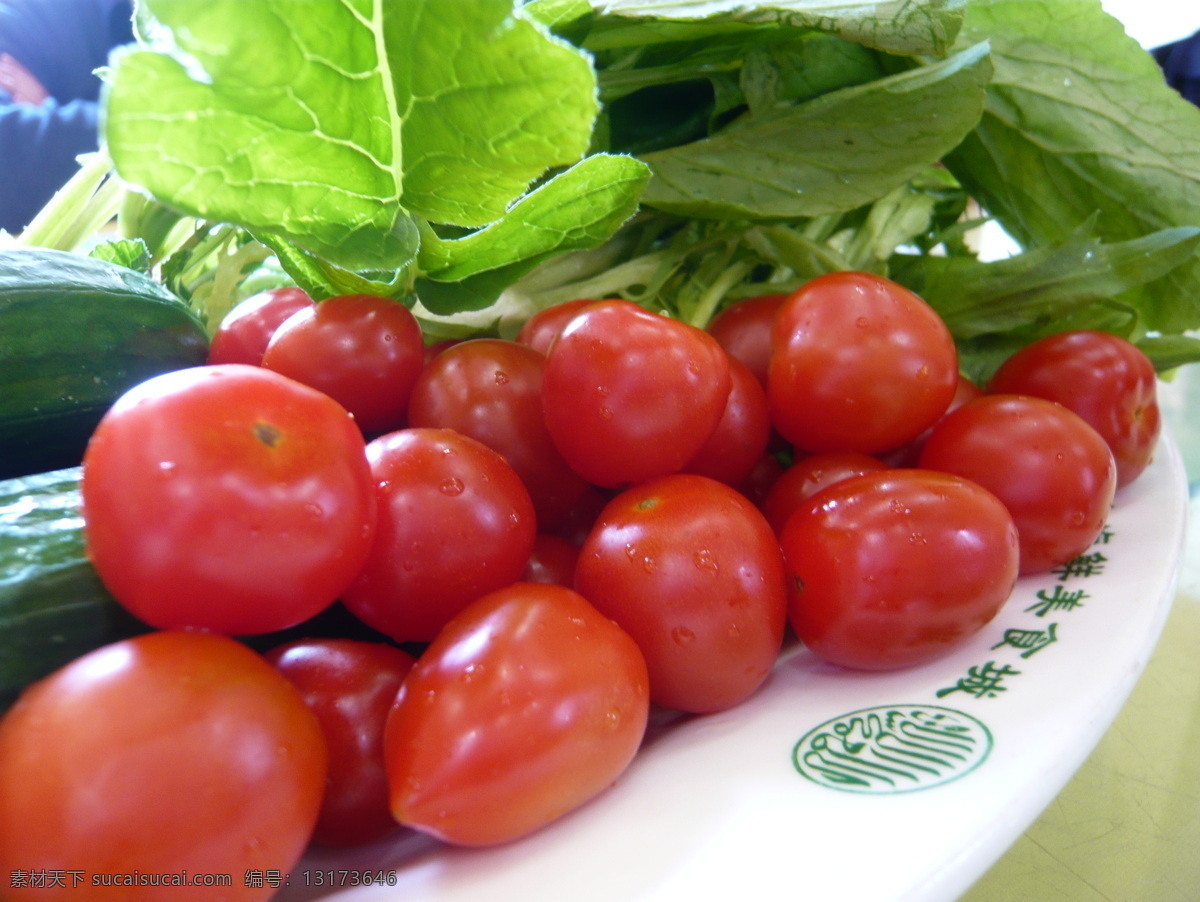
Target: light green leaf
[(579, 208), (488, 102), (829, 155), (1079, 120), (328, 122)]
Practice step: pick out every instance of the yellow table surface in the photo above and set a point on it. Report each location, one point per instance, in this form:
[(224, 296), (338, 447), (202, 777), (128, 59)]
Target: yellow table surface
[(1126, 828)]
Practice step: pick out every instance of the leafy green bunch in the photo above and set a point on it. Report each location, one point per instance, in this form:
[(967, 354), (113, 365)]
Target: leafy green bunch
[(479, 160)]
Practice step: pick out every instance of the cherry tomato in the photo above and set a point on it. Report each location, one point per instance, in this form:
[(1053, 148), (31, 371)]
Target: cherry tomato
[(692, 571), (526, 706), (858, 363), (243, 334), (350, 686), (455, 522), (630, 395), (760, 479), (582, 516), (743, 329), (1051, 469), (809, 475), (363, 351), (897, 567), (741, 437), (541, 329), (166, 753), (491, 390), (227, 498), (552, 561), (908, 454), (1105, 379)]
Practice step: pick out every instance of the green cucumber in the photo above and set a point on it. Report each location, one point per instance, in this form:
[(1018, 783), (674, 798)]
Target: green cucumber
[(53, 606), (75, 334)]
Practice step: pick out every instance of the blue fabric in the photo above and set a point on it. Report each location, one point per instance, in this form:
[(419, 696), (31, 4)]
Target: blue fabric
[(62, 42), (1180, 62)]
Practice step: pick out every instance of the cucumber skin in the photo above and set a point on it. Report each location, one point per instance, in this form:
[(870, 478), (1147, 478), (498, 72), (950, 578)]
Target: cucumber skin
[(53, 606), (75, 334)]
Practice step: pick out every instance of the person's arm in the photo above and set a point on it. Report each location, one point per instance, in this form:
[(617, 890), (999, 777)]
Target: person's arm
[(1180, 62), (38, 150)]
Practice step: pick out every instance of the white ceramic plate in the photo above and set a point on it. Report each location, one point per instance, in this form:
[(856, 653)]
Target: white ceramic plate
[(833, 784)]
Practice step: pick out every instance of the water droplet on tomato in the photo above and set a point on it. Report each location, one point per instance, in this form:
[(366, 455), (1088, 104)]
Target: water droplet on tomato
[(683, 636), (705, 562), (501, 378), (606, 413), (452, 485)]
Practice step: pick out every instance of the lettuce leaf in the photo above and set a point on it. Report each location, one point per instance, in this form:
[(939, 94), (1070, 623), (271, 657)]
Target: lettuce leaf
[(248, 113)]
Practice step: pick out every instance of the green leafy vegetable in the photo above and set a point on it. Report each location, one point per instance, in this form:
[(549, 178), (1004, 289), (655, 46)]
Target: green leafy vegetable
[(1078, 122), (830, 154), (252, 115), (481, 159)]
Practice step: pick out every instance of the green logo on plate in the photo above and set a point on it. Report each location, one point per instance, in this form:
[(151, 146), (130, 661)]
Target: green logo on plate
[(892, 748)]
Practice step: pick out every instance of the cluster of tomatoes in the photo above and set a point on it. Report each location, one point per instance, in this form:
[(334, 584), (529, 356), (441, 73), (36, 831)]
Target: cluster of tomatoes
[(550, 535)]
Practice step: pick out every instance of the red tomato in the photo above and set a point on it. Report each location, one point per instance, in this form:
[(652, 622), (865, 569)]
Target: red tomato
[(243, 334), (526, 706), (895, 568), (170, 752), (363, 351), (350, 686), (1105, 379), (760, 479), (630, 395), (692, 571), (858, 363), (1051, 469), (541, 329), (580, 518), (742, 434), (491, 390), (454, 523), (908, 454), (809, 475), (227, 498), (552, 561), (743, 329)]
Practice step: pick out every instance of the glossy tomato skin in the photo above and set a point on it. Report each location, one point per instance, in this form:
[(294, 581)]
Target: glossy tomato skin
[(526, 706), (455, 522), (858, 363), (629, 395), (227, 498), (1053, 471), (807, 476), (350, 686), (743, 329), (909, 454), (169, 752), (692, 571), (742, 434), (244, 332), (1104, 378), (540, 330), (491, 390), (895, 568), (363, 351)]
